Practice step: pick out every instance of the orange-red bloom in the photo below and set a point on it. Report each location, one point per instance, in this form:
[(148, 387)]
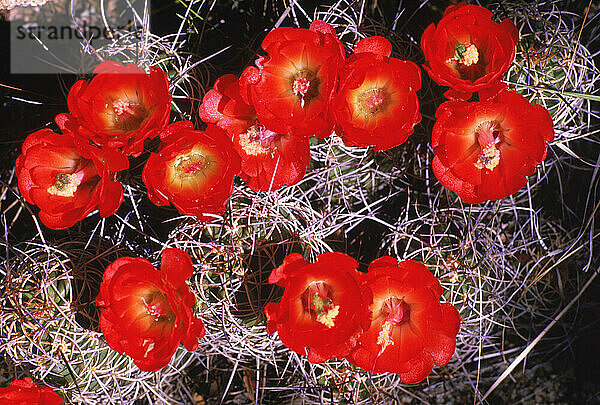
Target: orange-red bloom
[(322, 310), (469, 52), (147, 313), (193, 170), (269, 160), (67, 181), (26, 392), (410, 329), (484, 151), (291, 88), (121, 106), (376, 104)]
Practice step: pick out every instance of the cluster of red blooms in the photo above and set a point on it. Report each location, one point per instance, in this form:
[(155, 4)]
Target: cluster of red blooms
[(305, 87), (483, 150), (387, 320), (71, 174), (258, 126)]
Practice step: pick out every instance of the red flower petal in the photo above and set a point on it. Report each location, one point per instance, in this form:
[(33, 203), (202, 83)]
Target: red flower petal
[(375, 44), (68, 180), (176, 267), (291, 88), (376, 103), (25, 391), (465, 190), (442, 341), (419, 368), (269, 160)]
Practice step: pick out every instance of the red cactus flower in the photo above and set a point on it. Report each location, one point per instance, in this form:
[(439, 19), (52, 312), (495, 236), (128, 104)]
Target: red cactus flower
[(322, 310), (193, 170), (26, 392), (376, 104), (410, 329), (121, 106), (484, 150), (68, 181), (269, 160), (292, 87), (469, 52), (146, 313)]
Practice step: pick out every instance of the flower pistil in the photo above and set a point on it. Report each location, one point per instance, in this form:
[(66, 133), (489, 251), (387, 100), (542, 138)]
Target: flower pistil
[(157, 307), (190, 164), (488, 136), (304, 85), (121, 107), (396, 311), (127, 115)]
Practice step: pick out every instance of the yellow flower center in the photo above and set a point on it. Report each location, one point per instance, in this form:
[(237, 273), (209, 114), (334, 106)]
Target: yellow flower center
[(369, 100), (325, 310), (190, 164), (489, 158), (258, 140), (192, 170), (320, 305), (466, 55), (65, 185)]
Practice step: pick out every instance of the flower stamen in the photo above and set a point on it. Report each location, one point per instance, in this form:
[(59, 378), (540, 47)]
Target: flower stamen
[(320, 304), (121, 107), (384, 339), (157, 307), (65, 185), (191, 164), (326, 311), (466, 55), (396, 311), (487, 138), (371, 101), (374, 100), (328, 317), (258, 140), (489, 158), (300, 87)]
